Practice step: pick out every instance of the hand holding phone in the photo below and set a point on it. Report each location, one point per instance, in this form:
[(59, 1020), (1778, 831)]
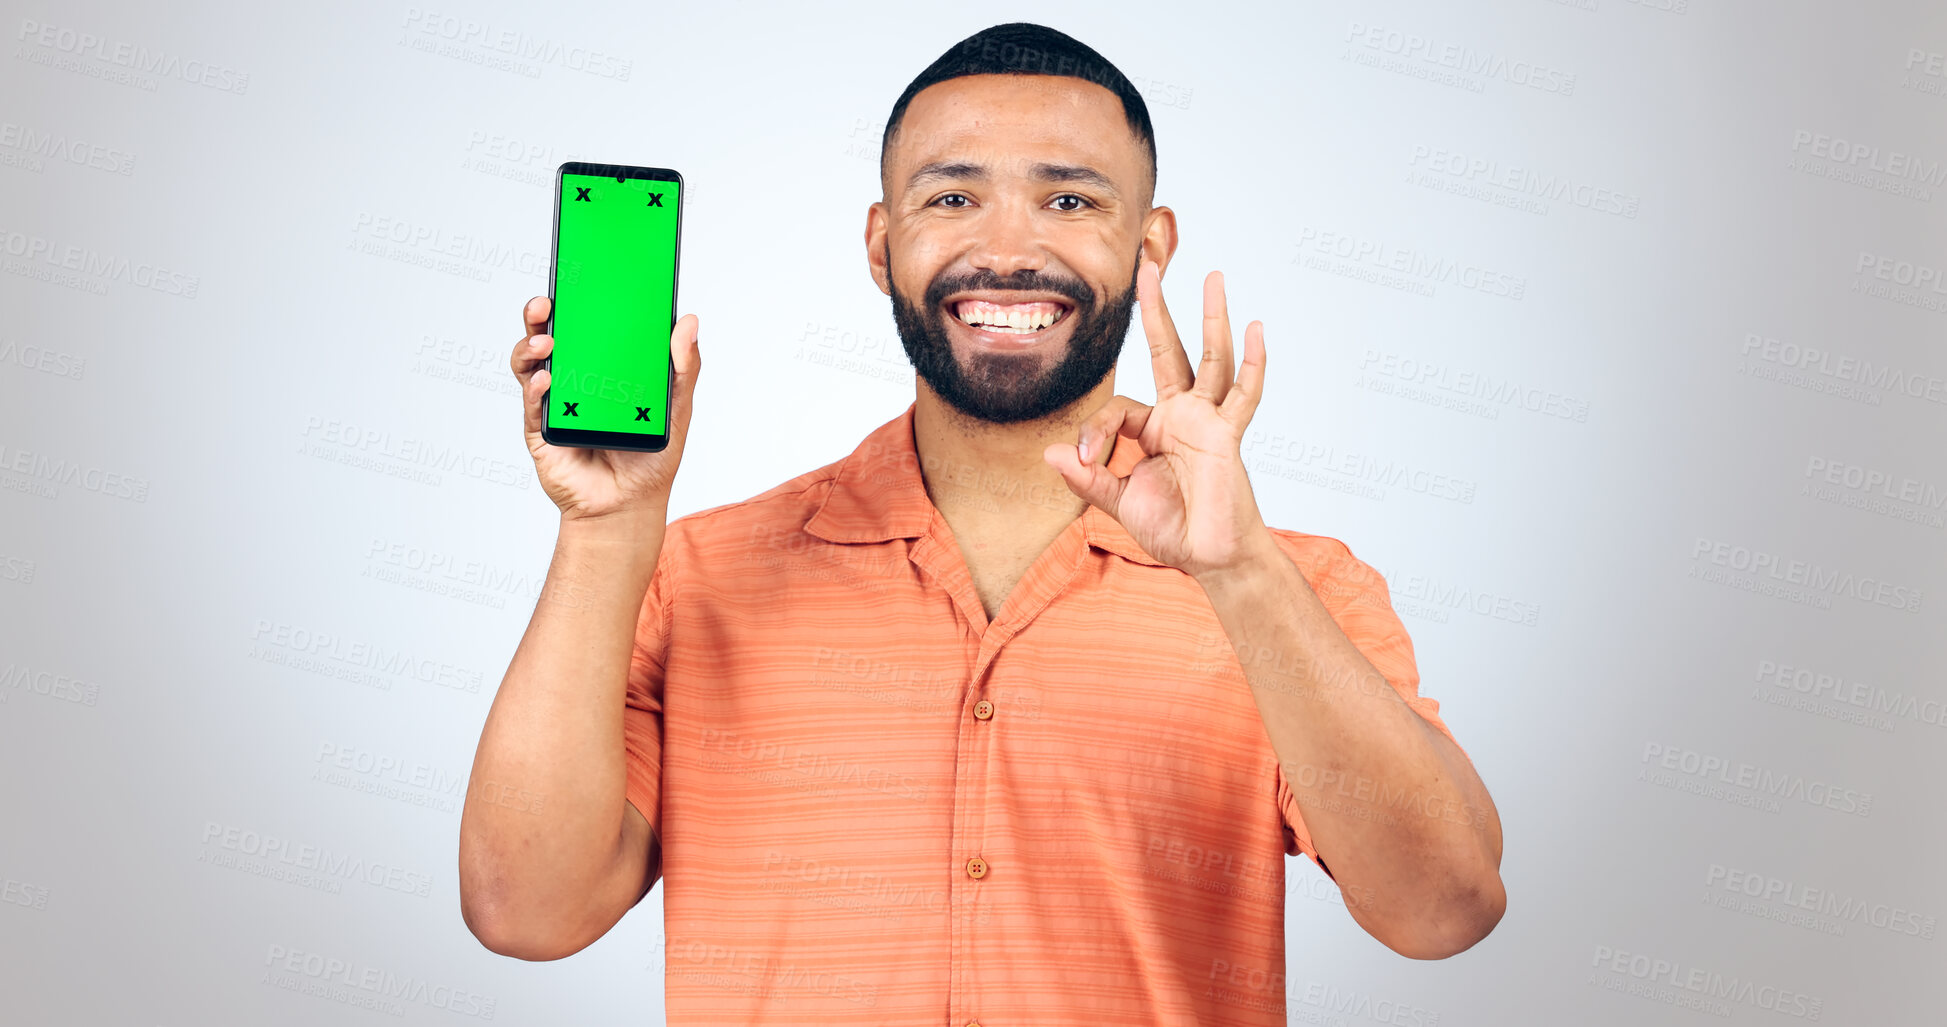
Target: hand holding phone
[(587, 483), (606, 370)]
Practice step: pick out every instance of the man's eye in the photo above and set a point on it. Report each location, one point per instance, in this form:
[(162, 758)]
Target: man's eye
[(1072, 196), (942, 200)]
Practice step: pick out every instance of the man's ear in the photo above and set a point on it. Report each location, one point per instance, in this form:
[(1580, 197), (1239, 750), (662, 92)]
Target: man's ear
[(876, 227), (1159, 238)]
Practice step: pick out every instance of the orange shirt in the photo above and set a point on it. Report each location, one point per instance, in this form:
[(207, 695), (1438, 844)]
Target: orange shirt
[(877, 807)]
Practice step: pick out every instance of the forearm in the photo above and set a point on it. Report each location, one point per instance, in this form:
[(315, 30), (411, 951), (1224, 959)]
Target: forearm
[(542, 853), (1392, 805)]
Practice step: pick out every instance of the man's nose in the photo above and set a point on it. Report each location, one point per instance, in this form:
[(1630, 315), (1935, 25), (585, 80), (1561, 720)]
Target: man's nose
[(1008, 241)]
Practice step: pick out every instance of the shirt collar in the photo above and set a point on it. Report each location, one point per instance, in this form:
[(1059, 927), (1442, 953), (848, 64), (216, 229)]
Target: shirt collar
[(878, 495)]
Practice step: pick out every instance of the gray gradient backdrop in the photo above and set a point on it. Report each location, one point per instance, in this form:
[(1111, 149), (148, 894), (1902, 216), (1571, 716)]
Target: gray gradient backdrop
[(1611, 332)]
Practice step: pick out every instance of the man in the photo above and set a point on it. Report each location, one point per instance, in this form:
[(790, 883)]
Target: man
[(1011, 715)]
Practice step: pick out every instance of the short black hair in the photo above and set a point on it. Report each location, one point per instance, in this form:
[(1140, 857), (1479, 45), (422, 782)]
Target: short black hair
[(1024, 48)]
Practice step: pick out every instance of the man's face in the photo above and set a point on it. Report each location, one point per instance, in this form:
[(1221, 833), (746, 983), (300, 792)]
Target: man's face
[(1015, 208)]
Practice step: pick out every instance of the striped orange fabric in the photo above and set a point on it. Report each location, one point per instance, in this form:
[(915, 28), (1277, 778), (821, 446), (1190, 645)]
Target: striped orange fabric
[(877, 807)]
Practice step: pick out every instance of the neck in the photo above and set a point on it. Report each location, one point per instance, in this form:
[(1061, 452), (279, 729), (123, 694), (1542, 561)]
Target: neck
[(980, 474)]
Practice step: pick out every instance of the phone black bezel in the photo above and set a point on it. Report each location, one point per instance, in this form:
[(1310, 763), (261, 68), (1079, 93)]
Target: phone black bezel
[(588, 438)]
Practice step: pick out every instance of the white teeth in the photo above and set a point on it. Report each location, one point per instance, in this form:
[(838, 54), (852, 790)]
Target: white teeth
[(1012, 322)]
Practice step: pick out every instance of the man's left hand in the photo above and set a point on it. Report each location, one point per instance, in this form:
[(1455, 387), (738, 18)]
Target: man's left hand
[(1187, 501)]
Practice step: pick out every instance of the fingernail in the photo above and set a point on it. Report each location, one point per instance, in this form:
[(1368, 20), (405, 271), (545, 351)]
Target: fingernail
[(1083, 450)]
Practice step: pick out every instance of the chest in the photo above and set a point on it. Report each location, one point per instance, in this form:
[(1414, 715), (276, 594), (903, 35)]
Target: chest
[(997, 562), (1113, 696), (994, 577)]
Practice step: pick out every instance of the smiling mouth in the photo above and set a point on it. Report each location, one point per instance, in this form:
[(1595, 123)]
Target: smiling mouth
[(1013, 322)]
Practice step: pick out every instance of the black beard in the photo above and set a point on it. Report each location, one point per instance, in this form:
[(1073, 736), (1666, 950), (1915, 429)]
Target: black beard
[(999, 387)]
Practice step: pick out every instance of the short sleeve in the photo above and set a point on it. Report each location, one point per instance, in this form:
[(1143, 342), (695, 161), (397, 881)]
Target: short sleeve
[(642, 714), (1357, 598)]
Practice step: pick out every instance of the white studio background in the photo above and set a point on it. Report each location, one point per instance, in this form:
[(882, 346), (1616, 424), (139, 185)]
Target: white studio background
[(1613, 332)]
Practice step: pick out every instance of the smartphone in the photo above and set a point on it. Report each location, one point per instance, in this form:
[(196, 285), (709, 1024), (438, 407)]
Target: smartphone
[(618, 230)]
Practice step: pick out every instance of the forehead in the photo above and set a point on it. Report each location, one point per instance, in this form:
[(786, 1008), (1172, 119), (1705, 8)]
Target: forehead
[(1001, 119)]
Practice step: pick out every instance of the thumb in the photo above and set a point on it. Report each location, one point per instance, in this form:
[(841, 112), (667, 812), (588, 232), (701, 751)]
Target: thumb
[(685, 360), (1090, 481)]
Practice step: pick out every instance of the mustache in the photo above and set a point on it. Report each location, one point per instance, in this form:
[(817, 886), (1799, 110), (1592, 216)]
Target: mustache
[(1028, 280)]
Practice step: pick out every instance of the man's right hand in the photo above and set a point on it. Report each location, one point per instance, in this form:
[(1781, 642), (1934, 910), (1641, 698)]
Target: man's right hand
[(544, 879), (602, 483)]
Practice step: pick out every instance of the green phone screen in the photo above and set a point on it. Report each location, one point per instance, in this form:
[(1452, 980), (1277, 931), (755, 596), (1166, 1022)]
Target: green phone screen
[(615, 283)]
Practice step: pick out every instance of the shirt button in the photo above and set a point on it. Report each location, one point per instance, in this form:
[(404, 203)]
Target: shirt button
[(983, 710), (976, 868)]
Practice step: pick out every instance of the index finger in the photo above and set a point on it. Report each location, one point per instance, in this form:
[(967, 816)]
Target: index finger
[(1122, 417), (535, 315)]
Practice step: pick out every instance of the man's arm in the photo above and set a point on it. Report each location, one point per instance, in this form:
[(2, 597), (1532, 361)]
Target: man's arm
[(551, 853), (1393, 806), (1332, 717)]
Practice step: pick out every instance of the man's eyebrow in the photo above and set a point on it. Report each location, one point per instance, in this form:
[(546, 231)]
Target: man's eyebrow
[(1073, 173), (1043, 171), (946, 169)]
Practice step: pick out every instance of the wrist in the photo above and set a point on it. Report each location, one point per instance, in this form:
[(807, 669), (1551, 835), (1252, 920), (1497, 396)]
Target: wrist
[(1256, 562), (604, 554), (633, 543), (630, 527)]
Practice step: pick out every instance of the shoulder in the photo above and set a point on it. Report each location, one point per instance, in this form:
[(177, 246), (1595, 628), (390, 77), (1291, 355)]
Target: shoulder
[(1338, 576), (763, 519), (1310, 552)]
